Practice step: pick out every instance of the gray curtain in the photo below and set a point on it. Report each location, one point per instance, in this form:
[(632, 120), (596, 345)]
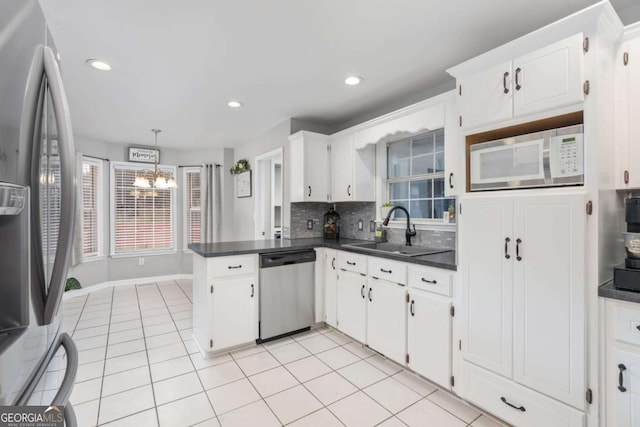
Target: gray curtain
[(77, 253), (211, 200)]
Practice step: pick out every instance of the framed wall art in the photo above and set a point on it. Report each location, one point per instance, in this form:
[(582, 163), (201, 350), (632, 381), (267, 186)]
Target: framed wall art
[(243, 184)]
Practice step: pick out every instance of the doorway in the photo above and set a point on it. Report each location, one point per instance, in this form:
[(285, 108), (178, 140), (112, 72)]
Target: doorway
[(269, 187)]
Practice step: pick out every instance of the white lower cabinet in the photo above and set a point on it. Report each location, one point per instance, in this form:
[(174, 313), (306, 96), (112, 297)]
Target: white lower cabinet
[(622, 366), (330, 287), (225, 301), (514, 403), (352, 304), (233, 305), (429, 336), (387, 318)]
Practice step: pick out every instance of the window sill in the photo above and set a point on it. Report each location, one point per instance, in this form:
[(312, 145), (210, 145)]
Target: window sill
[(92, 258), (143, 254), (422, 225)]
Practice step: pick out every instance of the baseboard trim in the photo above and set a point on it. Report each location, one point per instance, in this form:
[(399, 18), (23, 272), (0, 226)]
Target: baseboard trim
[(125, 282)]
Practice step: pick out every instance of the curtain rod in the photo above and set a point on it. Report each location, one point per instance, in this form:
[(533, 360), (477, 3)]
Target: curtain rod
[(97, 158), (197, 166)]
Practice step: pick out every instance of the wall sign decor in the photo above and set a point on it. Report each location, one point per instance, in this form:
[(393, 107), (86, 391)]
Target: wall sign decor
[(243, 184), (144, 155)]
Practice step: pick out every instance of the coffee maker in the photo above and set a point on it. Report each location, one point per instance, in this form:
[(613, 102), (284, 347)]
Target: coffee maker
[(627, 276)]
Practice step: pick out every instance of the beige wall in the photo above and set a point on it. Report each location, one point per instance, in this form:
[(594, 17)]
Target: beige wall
[(108, 268)]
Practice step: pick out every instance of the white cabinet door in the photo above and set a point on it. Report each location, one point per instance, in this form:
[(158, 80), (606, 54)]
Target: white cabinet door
[(628, 129), (452, 140), (549, 78), (233, 307), (549, 295), (627, 402), (486, 97), (342, 169), (387, 318), (486, 249), (330, 291), (309, 167), (352, 304), (429, 336)]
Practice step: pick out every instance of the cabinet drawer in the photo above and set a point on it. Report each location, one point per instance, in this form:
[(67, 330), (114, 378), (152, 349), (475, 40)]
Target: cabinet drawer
[(352, 262), (627, 323), (430, 279), (232, 265), (495, 394), (392, 271)]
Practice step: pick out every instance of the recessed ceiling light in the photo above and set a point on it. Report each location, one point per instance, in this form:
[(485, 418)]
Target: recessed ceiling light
[(98, 65), (234, 104), (353, 80)]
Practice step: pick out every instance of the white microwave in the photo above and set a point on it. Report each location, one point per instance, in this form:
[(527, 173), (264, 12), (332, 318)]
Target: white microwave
[(543, 159)]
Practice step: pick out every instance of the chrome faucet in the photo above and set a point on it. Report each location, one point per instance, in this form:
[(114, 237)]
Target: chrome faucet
[(409, 233)]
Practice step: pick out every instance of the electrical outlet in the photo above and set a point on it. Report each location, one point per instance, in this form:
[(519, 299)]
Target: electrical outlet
[(360, 225), (140, 261), (372, 226), (309, 224)]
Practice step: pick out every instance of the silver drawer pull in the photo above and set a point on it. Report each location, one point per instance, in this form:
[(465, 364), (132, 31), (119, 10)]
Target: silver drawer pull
[(433, 282)]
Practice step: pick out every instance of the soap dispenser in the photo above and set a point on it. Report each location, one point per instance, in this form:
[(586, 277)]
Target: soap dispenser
[(381, 234)]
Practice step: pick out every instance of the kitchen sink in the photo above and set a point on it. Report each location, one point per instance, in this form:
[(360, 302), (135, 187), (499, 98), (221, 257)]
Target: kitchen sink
[(397, 248)]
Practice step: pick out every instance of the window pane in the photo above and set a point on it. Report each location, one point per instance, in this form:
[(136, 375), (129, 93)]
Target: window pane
[(439, 166), (422, 165), (439, 137), (420, 209), (422, 144), (397, 214), (399, 190), (438, 187), (421, 189), (398, 159), (442, 205)]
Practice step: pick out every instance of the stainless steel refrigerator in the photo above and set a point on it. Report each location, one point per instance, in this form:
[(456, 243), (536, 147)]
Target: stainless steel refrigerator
[(37, 204)]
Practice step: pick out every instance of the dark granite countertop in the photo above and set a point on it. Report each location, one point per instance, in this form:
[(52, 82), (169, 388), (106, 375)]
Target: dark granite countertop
[(609, 291), (446, 260)]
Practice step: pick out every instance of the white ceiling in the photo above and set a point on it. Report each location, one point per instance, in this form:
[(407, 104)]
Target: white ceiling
[(176, 63)]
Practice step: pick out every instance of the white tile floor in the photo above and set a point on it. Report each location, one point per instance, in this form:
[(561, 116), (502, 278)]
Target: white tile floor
[(140, 367)]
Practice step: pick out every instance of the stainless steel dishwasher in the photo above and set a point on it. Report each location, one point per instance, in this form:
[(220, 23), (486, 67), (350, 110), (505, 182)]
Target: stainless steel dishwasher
[(287, 288)]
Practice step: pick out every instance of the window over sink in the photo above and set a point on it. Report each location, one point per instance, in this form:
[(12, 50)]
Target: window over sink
[(415, 176)]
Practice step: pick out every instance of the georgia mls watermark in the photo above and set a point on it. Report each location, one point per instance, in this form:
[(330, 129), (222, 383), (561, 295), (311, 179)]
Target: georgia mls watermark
[(31, 416)]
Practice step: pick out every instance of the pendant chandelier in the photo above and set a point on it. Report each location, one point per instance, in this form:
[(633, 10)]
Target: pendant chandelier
[(156, 178)]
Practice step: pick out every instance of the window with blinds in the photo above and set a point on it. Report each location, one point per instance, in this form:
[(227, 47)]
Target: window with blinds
[(191, 205), (91, 190), (415, 176), (142, 218)]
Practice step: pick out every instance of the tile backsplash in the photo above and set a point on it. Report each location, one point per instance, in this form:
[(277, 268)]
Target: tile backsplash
[(350, 214)]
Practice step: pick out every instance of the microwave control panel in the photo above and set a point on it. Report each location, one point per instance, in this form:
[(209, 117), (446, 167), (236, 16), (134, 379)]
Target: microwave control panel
[(566, 157)]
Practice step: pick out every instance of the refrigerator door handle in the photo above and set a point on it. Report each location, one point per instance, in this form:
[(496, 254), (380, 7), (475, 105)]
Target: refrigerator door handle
[(64, 392), (67, 185), (70, 419), (29, 172)]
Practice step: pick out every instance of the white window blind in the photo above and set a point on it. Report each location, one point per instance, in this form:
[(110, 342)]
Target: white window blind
[(191, 205), (50, 205), (415, 176), (142, 218), (91, 190)]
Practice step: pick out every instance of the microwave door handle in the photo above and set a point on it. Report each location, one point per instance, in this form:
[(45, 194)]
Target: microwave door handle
[(67, 185), (29, 172)]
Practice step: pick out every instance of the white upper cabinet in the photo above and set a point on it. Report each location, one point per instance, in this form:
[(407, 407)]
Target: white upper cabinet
[(545, 79), (627, 113), (548, 78), (486, 97), (352, 171), (309, 167)]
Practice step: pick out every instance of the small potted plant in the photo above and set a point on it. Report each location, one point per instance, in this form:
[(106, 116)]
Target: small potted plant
[(384, 209), (240, 166)]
